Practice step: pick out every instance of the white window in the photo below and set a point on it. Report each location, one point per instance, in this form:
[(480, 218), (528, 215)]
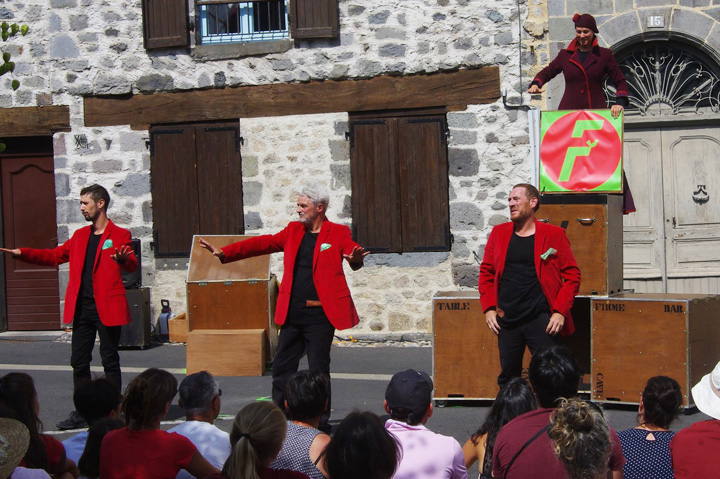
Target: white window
[(236, 22)]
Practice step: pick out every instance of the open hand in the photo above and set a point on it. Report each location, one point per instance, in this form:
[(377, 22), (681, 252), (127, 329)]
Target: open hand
[(14, 252), (217, 252), (357, 255), (535, 89)]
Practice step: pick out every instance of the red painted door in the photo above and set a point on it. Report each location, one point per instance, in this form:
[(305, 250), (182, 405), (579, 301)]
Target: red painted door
[(28, 209)]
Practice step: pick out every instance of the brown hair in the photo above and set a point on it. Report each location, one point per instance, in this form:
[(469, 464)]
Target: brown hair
[(531, 192), (147, 396)]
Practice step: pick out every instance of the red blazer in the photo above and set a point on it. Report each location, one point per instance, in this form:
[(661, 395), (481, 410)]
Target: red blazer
[(559, 274), (108, 286), (333, 241), (584, 82)]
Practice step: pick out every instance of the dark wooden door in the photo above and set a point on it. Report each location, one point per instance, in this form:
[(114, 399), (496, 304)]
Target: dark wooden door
[(28, 209)]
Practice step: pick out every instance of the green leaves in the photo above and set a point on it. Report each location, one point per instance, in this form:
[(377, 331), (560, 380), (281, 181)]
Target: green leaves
[(24, 29), (2, 147), (8, 31), (15, 85)]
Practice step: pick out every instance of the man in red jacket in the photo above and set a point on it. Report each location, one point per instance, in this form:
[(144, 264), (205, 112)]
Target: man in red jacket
[(528, 282), (95, 300), (314, 298)]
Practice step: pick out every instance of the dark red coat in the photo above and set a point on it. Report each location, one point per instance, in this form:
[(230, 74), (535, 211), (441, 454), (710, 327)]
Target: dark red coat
[(559, 274), (333, 242), (108, 287), (584, 81)]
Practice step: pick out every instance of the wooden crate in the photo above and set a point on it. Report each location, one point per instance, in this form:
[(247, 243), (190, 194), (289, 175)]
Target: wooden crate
[(226, 352), (594, 226), (178, 329), (237, 295), (637, 336)]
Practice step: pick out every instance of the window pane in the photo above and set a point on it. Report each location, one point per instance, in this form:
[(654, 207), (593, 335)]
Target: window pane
[(243, 22)]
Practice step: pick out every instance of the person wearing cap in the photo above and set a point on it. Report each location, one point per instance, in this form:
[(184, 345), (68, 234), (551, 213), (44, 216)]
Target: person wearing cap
[(585, 65), (694, 450), (14, 442), (426, 455)]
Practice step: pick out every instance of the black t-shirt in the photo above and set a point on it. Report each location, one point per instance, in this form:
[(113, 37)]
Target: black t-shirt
[(520, 295), (87, 298), (303, 286)]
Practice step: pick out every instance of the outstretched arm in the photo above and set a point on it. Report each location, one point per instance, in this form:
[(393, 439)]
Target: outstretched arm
[(15, 252), (356, 257), (217, 252)]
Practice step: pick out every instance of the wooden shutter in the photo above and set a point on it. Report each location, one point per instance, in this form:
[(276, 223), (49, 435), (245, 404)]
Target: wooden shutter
[(165, 23), (423, 170), (220, 193), (314, 19), (375, 189), (173, 176)]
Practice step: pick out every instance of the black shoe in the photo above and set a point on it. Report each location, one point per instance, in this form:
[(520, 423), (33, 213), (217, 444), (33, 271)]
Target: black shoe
[(73, 421)]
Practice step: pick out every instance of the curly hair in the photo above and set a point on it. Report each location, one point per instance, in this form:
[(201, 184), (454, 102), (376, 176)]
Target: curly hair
[(581, 439)]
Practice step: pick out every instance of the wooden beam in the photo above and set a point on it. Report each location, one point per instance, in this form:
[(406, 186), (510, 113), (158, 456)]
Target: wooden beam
[(453, 90), (34, 120)]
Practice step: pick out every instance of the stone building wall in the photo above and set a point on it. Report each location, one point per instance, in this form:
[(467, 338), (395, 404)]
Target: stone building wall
[(80, 48)]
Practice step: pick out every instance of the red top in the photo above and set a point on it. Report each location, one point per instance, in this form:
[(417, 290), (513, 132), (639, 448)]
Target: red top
[(333, 242), (694, 450), (55, 452), (538, 459), (147, 454), (558, 274), (584, 80), (108, 286)]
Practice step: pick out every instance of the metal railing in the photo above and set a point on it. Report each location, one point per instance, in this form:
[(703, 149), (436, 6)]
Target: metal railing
[(233, 22)]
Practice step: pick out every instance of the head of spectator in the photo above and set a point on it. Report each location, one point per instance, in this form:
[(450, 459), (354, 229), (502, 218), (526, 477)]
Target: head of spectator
[(89, 463), (306, 396), (14, 441), (361, 448), (97, 399), (408, 397), (554, 374), (256, 438), (661, 402), (19, 401), (200, 397), (514, 399), (148, 398), (581, 439), (706, 393)]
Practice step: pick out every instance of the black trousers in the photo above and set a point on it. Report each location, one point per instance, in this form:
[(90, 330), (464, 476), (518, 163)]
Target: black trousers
[(86, 325), (512, 342), (315, 339)]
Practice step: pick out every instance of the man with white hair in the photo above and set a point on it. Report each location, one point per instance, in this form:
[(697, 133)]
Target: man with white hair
[(694, 449), (314, 297)]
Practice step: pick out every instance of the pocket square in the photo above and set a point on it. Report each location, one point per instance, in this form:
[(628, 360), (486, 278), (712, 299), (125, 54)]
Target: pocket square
[(325, 246), (107, 244), (547, 253)]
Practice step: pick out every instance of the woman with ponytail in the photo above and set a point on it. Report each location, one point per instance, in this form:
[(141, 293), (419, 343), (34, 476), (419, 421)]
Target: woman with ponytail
[(256, 439), (581, 439), (141, 450)]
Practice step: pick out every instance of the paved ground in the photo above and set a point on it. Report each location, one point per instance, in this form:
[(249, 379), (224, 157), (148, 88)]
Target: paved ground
[(360, 375)]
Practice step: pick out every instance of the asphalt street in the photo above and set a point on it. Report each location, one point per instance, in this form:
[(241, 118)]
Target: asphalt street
[(360, 376)]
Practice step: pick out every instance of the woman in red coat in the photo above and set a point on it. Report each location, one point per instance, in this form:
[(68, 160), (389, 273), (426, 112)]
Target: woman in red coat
[(585, 64)]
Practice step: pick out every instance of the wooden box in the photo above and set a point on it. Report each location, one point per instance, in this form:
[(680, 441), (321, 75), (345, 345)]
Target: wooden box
[(638, 336), (226, 352), (594, 226), (178, 329), (237, 295)]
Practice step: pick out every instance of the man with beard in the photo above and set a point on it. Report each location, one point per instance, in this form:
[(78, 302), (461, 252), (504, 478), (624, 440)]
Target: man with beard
[(95, 300), (528, 282), (314, 298)]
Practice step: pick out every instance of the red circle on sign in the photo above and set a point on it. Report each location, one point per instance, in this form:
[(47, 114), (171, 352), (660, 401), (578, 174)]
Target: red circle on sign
[(590, 170)]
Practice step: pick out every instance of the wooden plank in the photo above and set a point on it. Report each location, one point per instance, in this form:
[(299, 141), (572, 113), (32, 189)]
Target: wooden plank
[(34, 120), (449, 89)]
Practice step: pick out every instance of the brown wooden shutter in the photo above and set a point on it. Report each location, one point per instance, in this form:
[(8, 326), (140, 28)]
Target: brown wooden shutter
[(173, 176), (165, 23), (423, 170), (375, 189), (314, 19), (220, 193)]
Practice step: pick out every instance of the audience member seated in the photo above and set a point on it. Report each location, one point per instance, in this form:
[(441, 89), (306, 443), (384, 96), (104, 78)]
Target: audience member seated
[(200, 398), (426, 455), (694, 450), (306, 398), (89, 462), (581, 439), (361, 448), (523, 448), (93, 400), (647, 446), (514, 399), (19, 401), (14, 441), (141, 450), (256, 438)]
